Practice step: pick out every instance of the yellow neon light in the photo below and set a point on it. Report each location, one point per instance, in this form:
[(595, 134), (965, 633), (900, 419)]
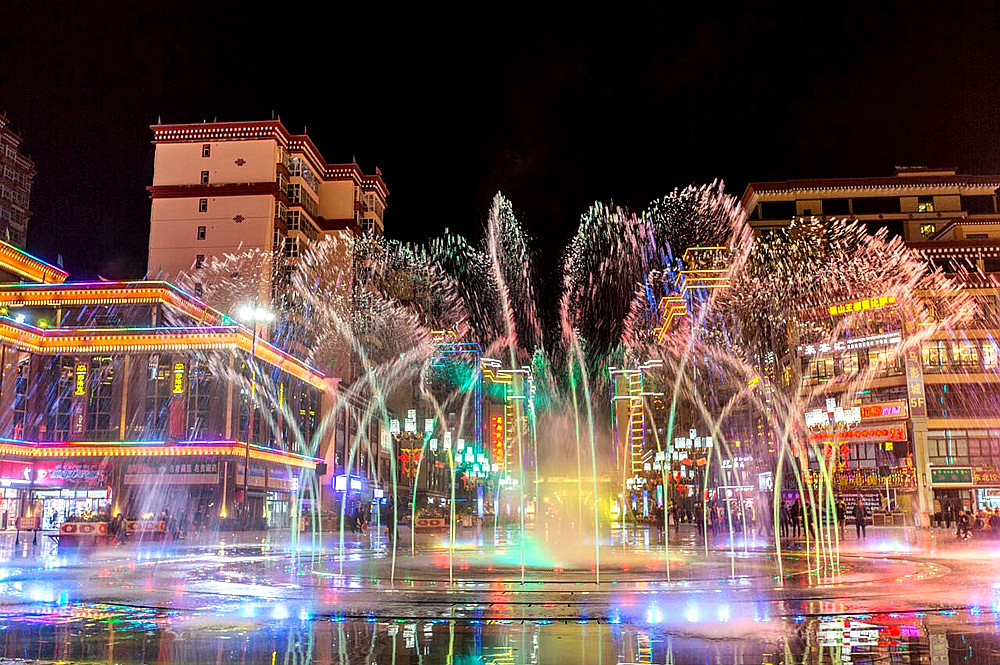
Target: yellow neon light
[(72, 341), (25, 265), (178, 378), (861, 305), (81, 379)]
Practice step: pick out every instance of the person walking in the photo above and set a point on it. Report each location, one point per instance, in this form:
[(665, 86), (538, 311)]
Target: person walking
[(861, 519), (948, 514), (783, 519), (841, 517)]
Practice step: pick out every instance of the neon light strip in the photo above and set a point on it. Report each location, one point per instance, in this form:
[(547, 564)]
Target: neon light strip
[(21, 263), (110, 340), (112, 293)]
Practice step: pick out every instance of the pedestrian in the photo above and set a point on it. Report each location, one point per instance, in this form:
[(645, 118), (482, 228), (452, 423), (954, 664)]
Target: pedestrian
[(796, 518), (783, 519), (841, 517), (962, 523), (947, 515), (861, 519)]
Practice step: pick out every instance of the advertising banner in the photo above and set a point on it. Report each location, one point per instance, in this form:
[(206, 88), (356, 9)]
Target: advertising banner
[(172, 473)]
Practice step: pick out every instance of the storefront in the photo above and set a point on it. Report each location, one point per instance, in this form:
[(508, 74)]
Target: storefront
[(966, 488), (58, 491), (188, 489)]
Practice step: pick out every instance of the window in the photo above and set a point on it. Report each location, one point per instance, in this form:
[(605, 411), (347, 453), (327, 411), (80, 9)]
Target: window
[(206, 150), (199, 290), (965, 354), (778, 209), (977, 236), (927, 230), (204, 177), (978, 205), (99, 403), (21, 397), (202, 205), (199, 261), (875, 205), (887, 360), (201, 232), (925, 204), (158, 395), (935, 356), (990, 355), (806, 212)]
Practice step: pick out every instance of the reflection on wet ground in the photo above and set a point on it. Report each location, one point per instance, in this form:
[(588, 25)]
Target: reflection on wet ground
[(107, 634), (902, 596)]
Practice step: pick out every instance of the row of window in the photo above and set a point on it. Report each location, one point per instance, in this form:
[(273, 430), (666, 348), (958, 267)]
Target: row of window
[(16, 177), (964, 447), (939, 357), (868, 205), (92, 387)]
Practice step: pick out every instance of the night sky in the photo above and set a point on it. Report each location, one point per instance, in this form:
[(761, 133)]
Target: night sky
[(555, 109)]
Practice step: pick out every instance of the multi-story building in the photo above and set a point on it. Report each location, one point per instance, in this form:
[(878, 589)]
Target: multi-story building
[(918, 204), (17, 172), (135, 396), (920, 431), (228, 187)]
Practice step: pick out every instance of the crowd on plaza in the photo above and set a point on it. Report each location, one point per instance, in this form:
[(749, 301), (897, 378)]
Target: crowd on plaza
[(968, 523)]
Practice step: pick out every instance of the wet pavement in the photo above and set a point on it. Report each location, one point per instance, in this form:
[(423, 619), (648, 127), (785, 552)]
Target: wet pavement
[(901, 596)]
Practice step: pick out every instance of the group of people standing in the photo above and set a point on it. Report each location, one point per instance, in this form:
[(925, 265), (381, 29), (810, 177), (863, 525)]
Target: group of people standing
[(796, 517)]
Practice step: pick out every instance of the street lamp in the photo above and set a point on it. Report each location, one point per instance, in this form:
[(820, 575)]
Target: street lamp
[(257, 315)]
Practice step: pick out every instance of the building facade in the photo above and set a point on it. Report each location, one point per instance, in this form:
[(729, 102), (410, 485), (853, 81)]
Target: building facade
[(229, 187), (920, 432), (17, 172), (134, 397)]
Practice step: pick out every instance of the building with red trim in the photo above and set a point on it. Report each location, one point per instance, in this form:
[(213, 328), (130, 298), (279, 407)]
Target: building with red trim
[(134, 396), (924, 429), (226, 187)]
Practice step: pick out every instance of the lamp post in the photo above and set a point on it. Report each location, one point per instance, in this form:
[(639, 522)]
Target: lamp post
[(257, 315)]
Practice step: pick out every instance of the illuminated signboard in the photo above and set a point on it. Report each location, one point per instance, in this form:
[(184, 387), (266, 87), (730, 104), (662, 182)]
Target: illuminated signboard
[(889, 433), (861, 305), (178, 378), (394, 426), (410, 424), (883, 339), (496, 441), (889, 410), (81, 379), (854, 415)]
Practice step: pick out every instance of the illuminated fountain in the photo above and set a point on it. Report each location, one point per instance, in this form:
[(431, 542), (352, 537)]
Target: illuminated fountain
[(670, 380)]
